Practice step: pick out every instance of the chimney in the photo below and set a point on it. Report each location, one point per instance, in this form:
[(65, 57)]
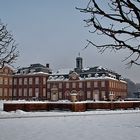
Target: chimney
[(47, 65)]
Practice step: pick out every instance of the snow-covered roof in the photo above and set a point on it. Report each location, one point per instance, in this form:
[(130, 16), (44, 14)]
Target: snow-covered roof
[(60, 78), (62, 71), (33, 73)]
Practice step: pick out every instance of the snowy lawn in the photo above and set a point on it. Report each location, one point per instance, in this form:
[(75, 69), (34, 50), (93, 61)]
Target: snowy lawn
[(92, 125)]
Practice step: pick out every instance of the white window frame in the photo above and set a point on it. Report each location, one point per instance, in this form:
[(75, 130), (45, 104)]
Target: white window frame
[(36, 80), (44, 92), (0, 92), (25, 81), (48, 85), (102, 94), (67, 85), (80, 84), (1, 80), (60, 95), (30, 92), (25, 92), (15, 92), (88, 94), (88, 84), (48, 94), (10, 92), (60, 85), (37, 92), (5, 81), (5, 92), (73, 85), (20, 81), (44, 80), (20, 92), (10, 81), (15, 81), (95, 83), (102, 83), (30, 81)]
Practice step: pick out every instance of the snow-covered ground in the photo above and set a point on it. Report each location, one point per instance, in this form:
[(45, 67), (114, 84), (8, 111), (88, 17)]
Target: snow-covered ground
[(92, 125)]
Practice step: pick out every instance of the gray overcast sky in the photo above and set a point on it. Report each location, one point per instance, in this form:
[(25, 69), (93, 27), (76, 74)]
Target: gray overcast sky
[(53, 32)]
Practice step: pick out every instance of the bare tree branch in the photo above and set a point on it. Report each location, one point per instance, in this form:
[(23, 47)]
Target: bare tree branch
[(120, 21), (8, 47)]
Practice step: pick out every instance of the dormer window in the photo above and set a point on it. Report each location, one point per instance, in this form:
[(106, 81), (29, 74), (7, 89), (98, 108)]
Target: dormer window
[(96, 75), (32, 70), (50, 77), (89, 75), (103, 75)]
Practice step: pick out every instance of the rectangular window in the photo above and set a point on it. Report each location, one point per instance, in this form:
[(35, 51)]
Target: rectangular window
[(5, 92), (102, 83), (20, 81), (80, 85), (48, 95), (48, 85), (30, 92), (88, 84), (10, 92), (15, 92), (60, 95), (103, 94), (1, 80), (30, 81), (73, 85), (95, 84), (44, 80), (15, 81), (37, 92), (44, 92), (96, 95), (37, 80), (25, 81), (20, 92), (60, 85), (67, 85), (6, 81), (25, 92), (0, 92), (88, 94), (10, 81)]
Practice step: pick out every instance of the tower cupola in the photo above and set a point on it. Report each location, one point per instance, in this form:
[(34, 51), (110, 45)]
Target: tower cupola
[(79, 62)]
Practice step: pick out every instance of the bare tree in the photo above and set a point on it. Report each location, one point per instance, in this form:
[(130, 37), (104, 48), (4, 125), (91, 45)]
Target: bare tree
[(8, 48), (119, 21)]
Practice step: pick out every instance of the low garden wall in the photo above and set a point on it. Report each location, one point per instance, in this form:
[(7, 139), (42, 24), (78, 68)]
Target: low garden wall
[(70, 106)]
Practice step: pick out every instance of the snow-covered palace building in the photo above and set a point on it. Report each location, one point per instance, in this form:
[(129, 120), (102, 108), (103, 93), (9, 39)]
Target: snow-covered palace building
[(79, 84)]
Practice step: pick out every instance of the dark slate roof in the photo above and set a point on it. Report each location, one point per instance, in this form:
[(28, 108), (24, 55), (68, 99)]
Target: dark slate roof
[(34, 68)]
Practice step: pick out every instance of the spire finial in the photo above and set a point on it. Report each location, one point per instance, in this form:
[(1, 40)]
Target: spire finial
[(79, 54)]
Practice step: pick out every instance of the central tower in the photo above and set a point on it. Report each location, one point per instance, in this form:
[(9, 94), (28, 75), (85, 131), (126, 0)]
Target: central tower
[(79, 62)]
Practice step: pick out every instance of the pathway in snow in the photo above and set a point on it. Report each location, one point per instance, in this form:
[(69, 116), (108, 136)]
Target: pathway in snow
[(22, 114)]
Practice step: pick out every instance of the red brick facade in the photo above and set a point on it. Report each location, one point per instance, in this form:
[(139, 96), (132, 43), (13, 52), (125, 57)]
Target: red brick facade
[(30, 86), (39, 85), (86, 89), (6, 76)]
